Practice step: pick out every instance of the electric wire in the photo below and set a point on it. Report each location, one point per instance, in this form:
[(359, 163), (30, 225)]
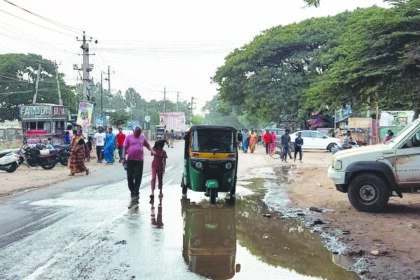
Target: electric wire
[(64, 26), (39, 25)]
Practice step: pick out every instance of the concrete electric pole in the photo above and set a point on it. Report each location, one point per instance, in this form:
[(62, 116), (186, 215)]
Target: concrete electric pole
[(60, 101), (86, 67)]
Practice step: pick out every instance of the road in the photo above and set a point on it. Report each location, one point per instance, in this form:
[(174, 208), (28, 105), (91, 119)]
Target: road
[(82, 229)]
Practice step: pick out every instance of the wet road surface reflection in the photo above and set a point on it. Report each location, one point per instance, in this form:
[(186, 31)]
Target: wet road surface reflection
[(90, 234)]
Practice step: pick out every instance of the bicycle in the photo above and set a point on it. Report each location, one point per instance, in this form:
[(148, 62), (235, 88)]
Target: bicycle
[(276, 153)]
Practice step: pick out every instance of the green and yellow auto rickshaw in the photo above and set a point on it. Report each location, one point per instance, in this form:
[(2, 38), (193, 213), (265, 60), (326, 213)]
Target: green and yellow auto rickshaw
[(209, 239), (210, 160)]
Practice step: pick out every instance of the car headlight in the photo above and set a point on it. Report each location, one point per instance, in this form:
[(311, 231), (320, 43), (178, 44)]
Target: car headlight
[(228, 165), (338, 165), (199, 165)]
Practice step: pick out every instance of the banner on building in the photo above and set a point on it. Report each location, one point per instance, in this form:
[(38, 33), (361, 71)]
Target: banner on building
[(84, 115), (396, 118)]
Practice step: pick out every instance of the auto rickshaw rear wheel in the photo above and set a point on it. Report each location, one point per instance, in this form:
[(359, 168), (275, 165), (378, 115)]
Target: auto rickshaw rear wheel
[(184, 187), (213, 195)]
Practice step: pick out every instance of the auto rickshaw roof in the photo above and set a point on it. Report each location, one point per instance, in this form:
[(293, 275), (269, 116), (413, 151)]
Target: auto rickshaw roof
[(197, 127)]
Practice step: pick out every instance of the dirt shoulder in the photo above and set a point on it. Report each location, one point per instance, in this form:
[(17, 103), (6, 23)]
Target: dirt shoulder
[(388, 240)]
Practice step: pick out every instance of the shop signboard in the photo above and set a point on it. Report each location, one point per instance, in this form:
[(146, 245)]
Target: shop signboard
[(35, 112)]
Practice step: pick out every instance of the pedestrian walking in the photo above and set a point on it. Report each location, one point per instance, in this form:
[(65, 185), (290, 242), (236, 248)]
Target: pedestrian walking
[(298, 146), (77, 154), (133, 157), (158, 167), (110, 145), (285, 145), (245, 140), (172, 138), (239, 138), (167, 137), (99, 141), (253, 141), (89, 145), (120, 139), (273, 142), (267, 140)]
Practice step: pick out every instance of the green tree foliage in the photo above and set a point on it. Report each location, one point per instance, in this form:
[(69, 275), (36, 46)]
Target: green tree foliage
[(267, 78), (18, 75), (119, 117), (362, 58), (376, 58)]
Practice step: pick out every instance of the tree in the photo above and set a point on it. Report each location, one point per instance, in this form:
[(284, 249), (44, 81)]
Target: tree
[(119, 117), (18, 75), (267, 78)]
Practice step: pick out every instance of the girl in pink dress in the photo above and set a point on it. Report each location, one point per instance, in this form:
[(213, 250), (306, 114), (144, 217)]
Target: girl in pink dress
[(158, 166)]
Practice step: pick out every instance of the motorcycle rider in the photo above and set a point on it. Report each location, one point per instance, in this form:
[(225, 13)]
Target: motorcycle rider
[(347, 141)]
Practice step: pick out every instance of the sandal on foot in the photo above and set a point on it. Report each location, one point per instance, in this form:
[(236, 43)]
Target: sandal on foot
[(71, 174)]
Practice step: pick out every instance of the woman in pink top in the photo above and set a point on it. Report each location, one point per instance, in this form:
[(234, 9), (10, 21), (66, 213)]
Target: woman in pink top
[(133, 160), (273, 141)]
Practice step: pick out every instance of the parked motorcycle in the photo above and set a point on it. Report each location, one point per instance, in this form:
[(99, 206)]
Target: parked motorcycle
[(63, 153), (37, 155), (342, 147), (9, 161)]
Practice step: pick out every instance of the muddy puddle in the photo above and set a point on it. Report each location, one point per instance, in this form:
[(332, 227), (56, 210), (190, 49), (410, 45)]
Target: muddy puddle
[(283, 238)]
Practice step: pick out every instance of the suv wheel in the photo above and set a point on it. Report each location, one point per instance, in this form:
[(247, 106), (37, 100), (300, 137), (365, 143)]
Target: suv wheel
[(368, 193)]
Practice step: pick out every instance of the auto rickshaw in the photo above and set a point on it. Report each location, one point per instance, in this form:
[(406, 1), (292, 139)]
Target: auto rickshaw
[(209, 239), (210, 160)]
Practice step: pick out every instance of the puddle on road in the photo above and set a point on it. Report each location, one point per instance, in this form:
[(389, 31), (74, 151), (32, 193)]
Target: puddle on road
[(271, 241)]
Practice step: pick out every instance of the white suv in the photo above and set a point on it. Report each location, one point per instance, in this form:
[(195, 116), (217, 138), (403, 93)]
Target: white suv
[(313, 139), (371, 174)]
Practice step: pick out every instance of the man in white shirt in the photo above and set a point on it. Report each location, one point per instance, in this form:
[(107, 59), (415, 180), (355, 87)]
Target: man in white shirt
[(99, 141)]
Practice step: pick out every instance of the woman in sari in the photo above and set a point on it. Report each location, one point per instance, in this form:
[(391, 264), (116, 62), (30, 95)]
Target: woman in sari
[(253, 141), (109, 148), (77, 154)]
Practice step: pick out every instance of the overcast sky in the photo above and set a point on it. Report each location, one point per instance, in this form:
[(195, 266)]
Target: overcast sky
[(150, 45)]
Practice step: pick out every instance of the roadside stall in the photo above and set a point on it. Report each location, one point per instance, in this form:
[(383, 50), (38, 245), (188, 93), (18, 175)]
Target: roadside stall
[(43, 122), (361, 130)]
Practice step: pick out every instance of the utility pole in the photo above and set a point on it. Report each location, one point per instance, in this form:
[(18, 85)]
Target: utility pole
[(192, 105), (37, 82), (164, 99), (109, 80), (86, 67), (60, 101), (177, 100)]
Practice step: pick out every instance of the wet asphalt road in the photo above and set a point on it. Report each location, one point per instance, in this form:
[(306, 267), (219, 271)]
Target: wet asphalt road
[(82, 229)]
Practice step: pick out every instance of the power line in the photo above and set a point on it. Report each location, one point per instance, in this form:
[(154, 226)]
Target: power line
[(39, 25), (64, 26)]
